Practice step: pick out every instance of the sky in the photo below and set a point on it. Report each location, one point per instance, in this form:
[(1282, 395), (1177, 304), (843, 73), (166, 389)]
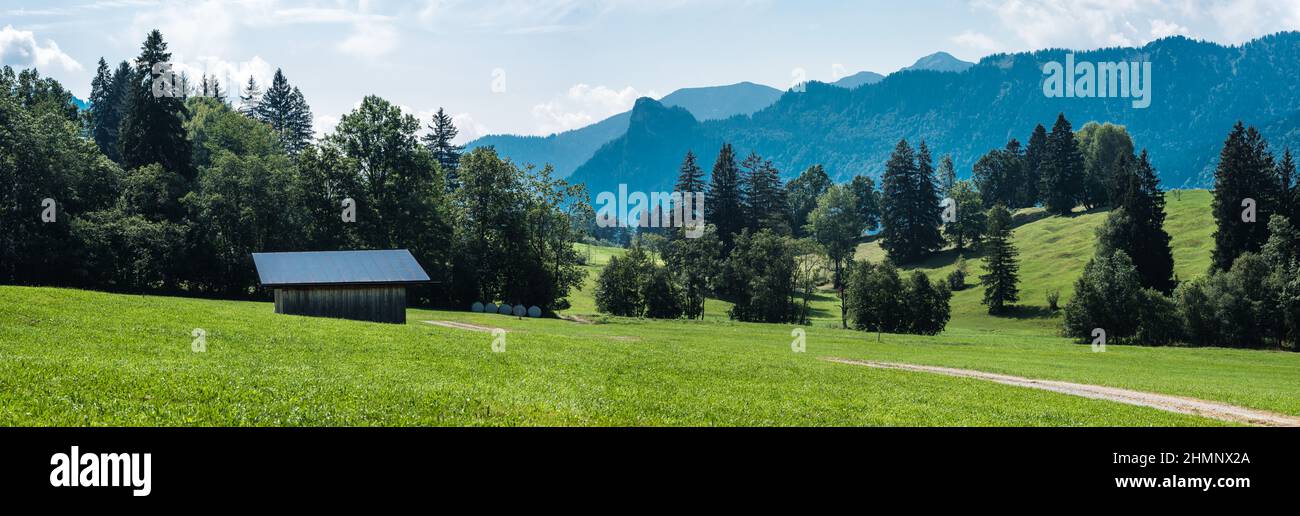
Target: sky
[(542, 66)]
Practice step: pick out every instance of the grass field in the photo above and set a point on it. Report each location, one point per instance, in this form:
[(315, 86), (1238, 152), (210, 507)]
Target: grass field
[(70, 357)]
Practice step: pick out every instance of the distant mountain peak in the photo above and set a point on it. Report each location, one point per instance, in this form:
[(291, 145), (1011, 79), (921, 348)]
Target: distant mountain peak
[(940, 62), (859, 79)]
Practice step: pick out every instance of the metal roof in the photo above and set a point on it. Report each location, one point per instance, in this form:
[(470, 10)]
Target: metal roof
[(338, 268)]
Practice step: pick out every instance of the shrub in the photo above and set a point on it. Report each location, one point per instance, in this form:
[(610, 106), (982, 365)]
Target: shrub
[(619, 287), (877, 299), (663, 298), (957, 278), (1106, 296), (1054, 299)]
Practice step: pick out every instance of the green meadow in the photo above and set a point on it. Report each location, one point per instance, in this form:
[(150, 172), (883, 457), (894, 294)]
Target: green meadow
[(70, 357)]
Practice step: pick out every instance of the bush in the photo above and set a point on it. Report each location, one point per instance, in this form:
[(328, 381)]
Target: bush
[(1106, 296), (1054, 299), (928, 308), (877, 299), (1242, 307), (663, 298), (957, 278), (619, 287)]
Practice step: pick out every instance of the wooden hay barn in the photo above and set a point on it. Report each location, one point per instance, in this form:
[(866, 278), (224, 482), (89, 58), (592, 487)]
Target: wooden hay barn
[(359, 285)]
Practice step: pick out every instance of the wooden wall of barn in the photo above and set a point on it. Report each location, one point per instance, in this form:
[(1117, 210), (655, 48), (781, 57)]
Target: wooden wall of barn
[(383, 303)]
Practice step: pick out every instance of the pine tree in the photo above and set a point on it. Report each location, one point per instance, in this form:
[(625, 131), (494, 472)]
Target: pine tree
[(152, 130), (1061, 169), (211, 87), (725, 208), (1288, 199), (765, 195), (909, 205), (102, 107), (439, 141), (285, 110), (1001, 269), (298, 131), (947, 175), (1146, 241), (1245, 171), (1035, 153), (250, 98), (690, 181), (689, 177)]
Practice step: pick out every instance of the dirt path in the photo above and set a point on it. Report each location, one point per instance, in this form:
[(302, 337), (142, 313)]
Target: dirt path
[(1193, 406), (460, 326)]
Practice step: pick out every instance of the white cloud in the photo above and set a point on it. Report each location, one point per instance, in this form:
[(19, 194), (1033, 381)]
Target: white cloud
[(1087, 24), (467, 128), (1162, 29), (511, 16), (201, 28), (370, 40), (977, 41), (584, 105), (324, 124), (20, 49)]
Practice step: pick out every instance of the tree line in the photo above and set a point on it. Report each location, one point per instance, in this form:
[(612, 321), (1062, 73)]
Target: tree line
[(172, 193), (769, 266)]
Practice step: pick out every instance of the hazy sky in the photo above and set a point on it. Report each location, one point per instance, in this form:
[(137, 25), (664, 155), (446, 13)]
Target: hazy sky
[(536, 67)]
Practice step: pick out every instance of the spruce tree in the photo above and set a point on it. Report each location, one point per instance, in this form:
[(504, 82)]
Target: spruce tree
[(1035, 153), (250, 98), (690, 181), (1287, 194), (909, 205), (1245, 171), (1143, 204), (1061, 169), (285, 110), (152, 130), (725, 208), (765, 195), (1001, 269), (439, 141), (689, 177), (896, 188), (947, 175), (110, 115), (102, 116)]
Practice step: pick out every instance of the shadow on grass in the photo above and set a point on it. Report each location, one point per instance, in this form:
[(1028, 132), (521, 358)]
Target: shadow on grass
[(1028, 312)]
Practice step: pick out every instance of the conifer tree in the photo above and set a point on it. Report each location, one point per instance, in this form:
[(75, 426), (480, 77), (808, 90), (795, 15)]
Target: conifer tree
[(1245, 173), (1035, 153), (285, 110), (947, 175), (152, 130), (1001, 268), (690, 180), (909, 205), (1061, 169), (102, 109), (439, 141), (1141, 235), (725, 208), (765, 195), (250, 98), (1288, 194)]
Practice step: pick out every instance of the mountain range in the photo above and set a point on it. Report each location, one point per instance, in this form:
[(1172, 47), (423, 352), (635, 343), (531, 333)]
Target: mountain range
[(567, 150), (1198, 90)]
